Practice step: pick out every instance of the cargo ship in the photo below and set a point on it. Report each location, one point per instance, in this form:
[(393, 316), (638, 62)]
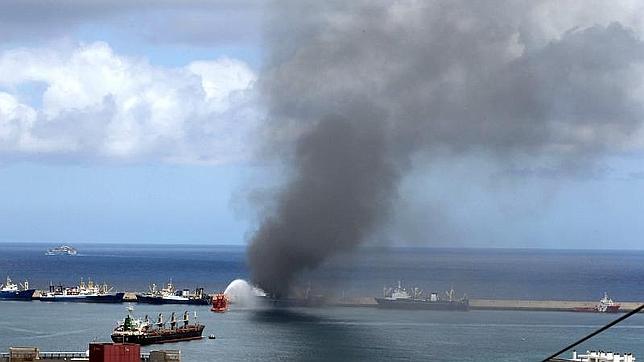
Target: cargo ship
[(399, 298), (62, 250), (10, 291), (605, 305), (169, 295), (85, 292), (143, 332)]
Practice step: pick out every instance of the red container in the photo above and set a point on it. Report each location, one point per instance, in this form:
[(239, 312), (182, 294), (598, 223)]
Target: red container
[(114, 352)]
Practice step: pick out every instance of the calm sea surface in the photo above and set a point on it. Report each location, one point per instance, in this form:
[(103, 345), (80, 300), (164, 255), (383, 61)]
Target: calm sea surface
[(338, 333)]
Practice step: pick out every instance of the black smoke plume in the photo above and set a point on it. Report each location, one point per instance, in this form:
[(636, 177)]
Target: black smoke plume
[(354, 89)]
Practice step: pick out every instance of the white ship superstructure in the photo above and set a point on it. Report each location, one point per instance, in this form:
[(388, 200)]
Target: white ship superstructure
[(599, 356)]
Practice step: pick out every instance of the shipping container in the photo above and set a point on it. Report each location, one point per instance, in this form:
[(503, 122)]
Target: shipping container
[(114, 352)]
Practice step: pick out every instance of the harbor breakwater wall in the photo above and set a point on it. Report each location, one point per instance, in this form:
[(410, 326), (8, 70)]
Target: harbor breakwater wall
[(502, 304), (475, 304), (541, 305)]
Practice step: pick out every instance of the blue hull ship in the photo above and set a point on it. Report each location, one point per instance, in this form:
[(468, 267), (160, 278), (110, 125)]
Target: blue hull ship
[(104, 298), (83, 293), (10, 291)]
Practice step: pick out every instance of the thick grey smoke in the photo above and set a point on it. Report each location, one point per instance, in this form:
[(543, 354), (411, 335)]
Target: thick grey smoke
[(354, 90)]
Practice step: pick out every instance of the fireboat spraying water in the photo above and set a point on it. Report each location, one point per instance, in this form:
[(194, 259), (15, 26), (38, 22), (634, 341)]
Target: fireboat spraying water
[(242, 294)]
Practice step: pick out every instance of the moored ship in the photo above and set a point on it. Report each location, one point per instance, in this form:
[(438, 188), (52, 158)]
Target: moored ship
[(11, 291), (62, 250), (297, 298), (85, 292), (399, 298), (168, 295), (605, 305), (143, 332)]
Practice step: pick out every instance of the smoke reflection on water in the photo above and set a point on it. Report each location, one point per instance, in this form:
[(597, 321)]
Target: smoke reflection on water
[(314, 336)]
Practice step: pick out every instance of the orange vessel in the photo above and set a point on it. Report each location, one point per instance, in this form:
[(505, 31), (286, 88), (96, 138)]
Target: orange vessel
[(219, 303)]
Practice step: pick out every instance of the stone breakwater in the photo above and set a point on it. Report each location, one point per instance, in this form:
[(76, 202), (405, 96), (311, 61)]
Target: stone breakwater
[(502, 304)]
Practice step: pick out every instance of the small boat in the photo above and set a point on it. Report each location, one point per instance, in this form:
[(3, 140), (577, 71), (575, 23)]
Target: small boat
[(605, 305), (212, 336), (219, 303), (143, 332), (10, 291), (62, 250)]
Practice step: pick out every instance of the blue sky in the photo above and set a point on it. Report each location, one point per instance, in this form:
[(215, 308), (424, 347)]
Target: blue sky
[(103, 203), (125, 123)]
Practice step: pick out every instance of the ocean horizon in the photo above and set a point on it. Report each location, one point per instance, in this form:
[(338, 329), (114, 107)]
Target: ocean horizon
[(480, 273), (341, 334)]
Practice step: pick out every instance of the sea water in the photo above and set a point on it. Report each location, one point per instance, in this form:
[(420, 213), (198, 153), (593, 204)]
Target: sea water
[(338, 333)]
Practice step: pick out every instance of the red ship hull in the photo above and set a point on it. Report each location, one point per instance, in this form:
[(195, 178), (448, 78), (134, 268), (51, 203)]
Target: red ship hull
[(219, 303), (609, 309)]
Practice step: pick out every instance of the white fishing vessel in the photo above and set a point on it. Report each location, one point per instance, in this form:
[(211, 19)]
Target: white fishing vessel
[(62, 250), (85, 292)]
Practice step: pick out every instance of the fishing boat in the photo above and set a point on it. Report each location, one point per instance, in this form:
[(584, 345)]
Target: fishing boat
[(85, 292), (10, 291), (169, 295)]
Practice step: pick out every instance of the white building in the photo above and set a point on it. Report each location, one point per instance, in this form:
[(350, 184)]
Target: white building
[(600, 356)]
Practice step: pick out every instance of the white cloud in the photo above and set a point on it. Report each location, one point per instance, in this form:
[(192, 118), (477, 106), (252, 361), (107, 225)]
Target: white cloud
[(97, 103)]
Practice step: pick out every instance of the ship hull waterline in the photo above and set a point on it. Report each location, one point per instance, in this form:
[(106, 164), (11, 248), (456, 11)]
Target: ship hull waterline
[(23, 295), (113, 298), (179, 336), (159, 300)]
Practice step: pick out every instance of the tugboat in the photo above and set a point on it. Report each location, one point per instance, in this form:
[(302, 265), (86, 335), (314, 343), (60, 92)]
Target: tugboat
[(169, 295), (219, 303), (84, 292), (399, 298), (142, 332), (605, 305), (62, 250), (10, 291)]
